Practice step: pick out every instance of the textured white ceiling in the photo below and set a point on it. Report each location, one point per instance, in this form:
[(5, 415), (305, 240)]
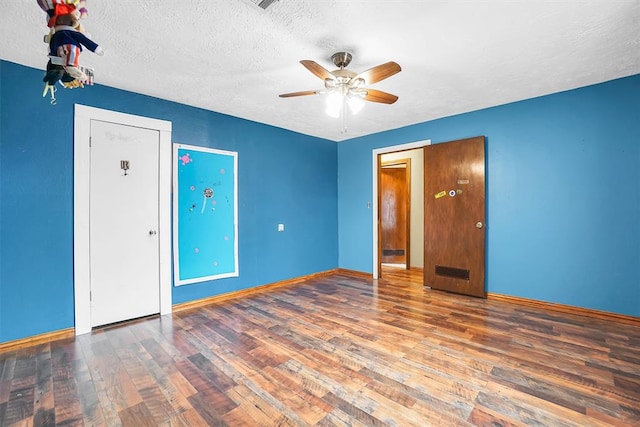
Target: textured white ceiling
[(232, 57)]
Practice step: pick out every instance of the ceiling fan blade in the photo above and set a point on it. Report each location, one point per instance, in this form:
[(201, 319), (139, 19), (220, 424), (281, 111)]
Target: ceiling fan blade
[(317, 69), (380, 96), (302, 93), (381, 72)]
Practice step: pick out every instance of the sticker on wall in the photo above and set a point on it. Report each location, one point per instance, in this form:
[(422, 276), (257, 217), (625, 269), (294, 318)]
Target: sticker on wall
[(452, 193), (124, 165), (206, 244), (208, 193), (186, 159), (440, 194)]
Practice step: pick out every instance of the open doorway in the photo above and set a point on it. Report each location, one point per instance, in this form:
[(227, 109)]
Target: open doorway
[(414, 248), (395, 211)]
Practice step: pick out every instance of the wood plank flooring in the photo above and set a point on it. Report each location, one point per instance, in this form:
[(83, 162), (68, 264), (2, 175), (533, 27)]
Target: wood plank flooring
[(334, 351)]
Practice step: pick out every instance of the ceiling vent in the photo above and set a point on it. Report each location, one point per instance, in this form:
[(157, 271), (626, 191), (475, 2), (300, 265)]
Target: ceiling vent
[(262, 4)]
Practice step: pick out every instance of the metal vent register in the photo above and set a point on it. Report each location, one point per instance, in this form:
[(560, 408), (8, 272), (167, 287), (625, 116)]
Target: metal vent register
[(393, 252), (262, 4), (456, 273)]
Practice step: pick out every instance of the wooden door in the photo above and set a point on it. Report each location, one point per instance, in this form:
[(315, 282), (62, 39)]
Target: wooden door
[(454, 216), (124, 246), (395, 212)]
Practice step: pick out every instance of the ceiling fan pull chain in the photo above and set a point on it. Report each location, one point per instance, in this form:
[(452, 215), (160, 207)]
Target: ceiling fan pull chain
[(343, 114)]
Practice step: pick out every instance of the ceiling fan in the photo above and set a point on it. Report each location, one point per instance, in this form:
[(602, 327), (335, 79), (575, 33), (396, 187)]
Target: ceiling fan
[(345, 87)]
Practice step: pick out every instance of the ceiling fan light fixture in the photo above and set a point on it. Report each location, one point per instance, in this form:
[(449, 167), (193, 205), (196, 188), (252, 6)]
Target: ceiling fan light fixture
[(333, 113), (357, 83), (334, 104), (344, 87), (355, 102)]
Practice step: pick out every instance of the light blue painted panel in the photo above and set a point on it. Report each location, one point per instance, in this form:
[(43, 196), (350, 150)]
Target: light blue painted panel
[(205, 215)]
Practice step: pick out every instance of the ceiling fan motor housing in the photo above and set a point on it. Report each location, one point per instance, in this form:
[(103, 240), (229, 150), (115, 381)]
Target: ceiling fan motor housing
[(341, 59)]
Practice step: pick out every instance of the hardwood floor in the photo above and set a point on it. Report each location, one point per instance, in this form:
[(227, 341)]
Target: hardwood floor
[(334, 351)]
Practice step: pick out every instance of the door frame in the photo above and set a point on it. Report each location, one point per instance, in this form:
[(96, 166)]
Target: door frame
[(81, 214), (374, 211), (407, 177)]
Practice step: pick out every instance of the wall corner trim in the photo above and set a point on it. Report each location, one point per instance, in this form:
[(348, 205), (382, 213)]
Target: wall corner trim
[(360, 274), (37, 339), (247, 292), (566, 309)]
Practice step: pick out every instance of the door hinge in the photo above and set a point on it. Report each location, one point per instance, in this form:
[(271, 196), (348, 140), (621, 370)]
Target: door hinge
[(89, 142), (90, 296)]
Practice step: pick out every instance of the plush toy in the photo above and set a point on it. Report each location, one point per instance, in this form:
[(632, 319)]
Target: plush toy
[(56, 73), (57, 7), (67, 42), (65, 39), (82, 9)]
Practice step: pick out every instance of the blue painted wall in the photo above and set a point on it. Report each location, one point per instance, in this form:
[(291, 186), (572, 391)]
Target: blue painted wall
[(1, 192), (563, 194), (282, 177)]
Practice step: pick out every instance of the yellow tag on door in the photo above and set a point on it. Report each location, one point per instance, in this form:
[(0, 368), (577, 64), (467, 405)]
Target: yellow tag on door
[(440, 194)]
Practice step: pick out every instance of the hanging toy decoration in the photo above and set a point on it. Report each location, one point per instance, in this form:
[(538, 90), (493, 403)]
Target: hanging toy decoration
[(57, 7), (66, 40), (82, 9), (66, 45)]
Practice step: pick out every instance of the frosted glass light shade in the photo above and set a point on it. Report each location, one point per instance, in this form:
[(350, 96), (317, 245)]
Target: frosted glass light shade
[(334, 104), (355, 103)]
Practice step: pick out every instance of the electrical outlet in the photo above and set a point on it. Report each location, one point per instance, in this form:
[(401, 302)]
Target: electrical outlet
[(280, 227)]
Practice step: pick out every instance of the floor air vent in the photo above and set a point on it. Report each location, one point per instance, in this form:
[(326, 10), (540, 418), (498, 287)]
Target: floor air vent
[(456, 273), (393, 252)]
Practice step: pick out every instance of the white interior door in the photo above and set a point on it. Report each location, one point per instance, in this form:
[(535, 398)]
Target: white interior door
[(123, 230)]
